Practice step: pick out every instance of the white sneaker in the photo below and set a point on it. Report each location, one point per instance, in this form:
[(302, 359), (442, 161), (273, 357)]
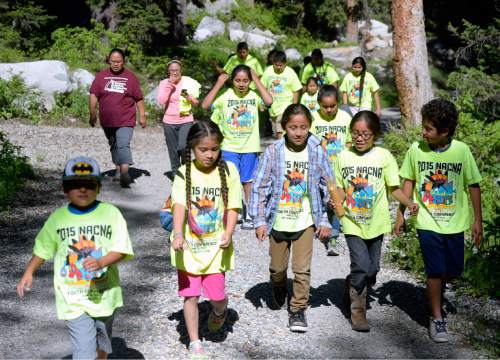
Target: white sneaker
[(437, 330)]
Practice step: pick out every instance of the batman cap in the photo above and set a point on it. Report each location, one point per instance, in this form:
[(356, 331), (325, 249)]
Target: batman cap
[(81, 167)]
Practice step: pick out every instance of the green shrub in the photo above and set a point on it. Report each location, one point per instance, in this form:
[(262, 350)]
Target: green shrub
[(17, 101), (14, 169), (71, 105)]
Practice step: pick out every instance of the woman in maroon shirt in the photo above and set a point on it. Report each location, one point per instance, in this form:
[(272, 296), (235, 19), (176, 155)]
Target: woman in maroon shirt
[(118, 92)]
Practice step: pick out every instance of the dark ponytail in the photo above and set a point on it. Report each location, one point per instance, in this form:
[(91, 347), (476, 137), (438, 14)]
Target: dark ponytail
[(359, 60)]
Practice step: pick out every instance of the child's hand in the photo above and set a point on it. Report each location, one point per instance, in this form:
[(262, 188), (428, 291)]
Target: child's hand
[(477, 232), (413, 208), (225, 240), (92, 264), (24, 284), (261, 233), (178, 243), (323, 232), (254, 75), (222, 78), (399, 226)]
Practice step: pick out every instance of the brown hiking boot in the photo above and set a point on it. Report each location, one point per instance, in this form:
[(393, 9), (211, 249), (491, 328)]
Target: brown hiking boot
[(358, 310)]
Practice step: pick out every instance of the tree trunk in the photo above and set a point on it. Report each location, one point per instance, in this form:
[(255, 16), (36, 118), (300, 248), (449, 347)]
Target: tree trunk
[(180, 22), (411, 68), (351, 33)]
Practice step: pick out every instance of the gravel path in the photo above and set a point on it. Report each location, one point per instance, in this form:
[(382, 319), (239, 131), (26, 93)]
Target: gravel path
[(151, 325)]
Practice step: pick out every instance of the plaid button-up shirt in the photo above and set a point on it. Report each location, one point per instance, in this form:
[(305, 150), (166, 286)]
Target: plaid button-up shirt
[(268, 181)]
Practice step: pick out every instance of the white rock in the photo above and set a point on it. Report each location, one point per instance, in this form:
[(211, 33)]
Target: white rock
[(293, 54), (266, 33), (208, 27), (343, 55), (81, 78), (237, 35), (234, 25), (259, 41), (151, 97), (219, 6), (376, 43), (47, 76), (377, 28)]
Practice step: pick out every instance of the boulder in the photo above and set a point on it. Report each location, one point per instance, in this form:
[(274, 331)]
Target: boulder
[(208, 27), (219, 6), (151, 97), (234, 25), (342, 55), (46, 76), (81, 78), (377, 29), (259, 41), (293, 54), (237, 35), (376, 42)]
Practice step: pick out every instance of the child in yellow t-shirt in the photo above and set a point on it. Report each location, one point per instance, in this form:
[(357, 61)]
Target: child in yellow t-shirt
[(310, 98), (359, 87), (236, 112), (363, 173), (86, 239), (206, 197), (287, 205), (331, 126), (439, 171)]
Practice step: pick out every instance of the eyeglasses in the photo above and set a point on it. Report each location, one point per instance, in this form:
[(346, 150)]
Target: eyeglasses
[(78, 184), (174, 71), (365, 136)]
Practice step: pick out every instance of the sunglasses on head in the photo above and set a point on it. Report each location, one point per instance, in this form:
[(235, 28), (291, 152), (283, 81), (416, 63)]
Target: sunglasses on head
[(78, 184)]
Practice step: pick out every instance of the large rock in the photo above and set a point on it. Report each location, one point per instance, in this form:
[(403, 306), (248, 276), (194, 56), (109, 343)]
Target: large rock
[(47, 76), (259, 41), (81, 78), (208, 27), (234, 25), (377, 29), (342, 55), (237, 35), (293, 55), (376, 42), (219, 6)]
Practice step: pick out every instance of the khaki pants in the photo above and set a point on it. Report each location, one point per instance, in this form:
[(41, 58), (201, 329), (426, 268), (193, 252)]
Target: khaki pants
[(302, 248)]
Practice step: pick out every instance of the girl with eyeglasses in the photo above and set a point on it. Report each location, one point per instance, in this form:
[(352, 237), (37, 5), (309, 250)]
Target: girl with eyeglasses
[(363, 173)]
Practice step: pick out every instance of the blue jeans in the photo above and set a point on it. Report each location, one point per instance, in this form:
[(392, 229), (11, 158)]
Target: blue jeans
[(335, 222)]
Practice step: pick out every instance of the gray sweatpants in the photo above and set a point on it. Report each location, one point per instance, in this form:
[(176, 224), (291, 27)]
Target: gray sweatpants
[(89, 334), (365, 260), (176, 137), (119, 139)]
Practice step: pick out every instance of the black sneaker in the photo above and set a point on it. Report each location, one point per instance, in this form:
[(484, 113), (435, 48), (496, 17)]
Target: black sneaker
[(279, 296), (125, 180), (297, 321)]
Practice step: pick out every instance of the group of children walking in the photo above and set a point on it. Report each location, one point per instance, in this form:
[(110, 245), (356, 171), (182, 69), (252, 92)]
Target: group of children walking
[(323, 161)]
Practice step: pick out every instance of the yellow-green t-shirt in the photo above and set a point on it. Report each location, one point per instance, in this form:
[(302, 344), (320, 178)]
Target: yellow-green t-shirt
[(294, 209), (364, 179), (238, 119), (250, 61), (310, 102), (281, 87), (69, 238), (351, 86), (441, 185), (334, 134), (203, 254), (325, 74)]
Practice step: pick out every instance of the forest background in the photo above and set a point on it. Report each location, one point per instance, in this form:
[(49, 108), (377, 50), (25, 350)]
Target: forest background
[(463, 39)]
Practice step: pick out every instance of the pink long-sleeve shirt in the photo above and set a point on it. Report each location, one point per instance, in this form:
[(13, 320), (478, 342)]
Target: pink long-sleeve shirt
[(169, 95)]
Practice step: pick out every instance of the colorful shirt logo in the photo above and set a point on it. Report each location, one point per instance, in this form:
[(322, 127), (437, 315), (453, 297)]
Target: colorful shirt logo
[(332, 144), (294, 188), (438, 194), (241, 119), (360, 198), (205, 214), (78, 251)]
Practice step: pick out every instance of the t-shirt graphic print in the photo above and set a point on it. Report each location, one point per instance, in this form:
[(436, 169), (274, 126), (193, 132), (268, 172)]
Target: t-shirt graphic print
[(360, 195), (438, 194)]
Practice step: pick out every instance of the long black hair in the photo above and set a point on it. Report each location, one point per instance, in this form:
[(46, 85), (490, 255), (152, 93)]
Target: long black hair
[(359, 60)]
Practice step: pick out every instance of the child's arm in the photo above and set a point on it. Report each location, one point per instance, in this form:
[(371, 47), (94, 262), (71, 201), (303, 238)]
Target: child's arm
[(261, 185), (27, 280), (266, 96), (407, 190), (404, 200), (165, 90), (477, 226), (92, 264), (344, 97), (378, 109), (296, 97), (178, 214), (232, 218), (209, 99)]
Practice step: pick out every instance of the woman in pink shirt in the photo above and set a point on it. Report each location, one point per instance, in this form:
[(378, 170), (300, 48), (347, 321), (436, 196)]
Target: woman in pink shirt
[(178, 93)]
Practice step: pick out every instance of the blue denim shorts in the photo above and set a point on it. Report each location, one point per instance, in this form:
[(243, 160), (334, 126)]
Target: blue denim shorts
[(442, 253), (246, 163)]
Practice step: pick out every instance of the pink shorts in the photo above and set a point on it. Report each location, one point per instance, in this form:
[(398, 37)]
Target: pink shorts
[(213, 285)]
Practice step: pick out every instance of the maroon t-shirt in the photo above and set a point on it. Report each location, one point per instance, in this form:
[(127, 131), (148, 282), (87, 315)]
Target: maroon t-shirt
[(117, 94)]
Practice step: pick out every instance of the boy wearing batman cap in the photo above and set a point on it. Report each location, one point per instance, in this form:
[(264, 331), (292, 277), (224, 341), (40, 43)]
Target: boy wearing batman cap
[(86, 238)]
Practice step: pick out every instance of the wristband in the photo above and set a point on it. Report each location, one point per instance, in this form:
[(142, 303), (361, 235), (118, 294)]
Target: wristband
[(178, 234)]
